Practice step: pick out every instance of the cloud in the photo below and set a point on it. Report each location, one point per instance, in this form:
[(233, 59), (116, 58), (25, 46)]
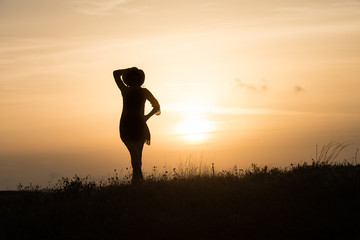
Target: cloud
[(319, 9), (255, 88), (95, 7), (298, 89), (6, 90), (229, 110)]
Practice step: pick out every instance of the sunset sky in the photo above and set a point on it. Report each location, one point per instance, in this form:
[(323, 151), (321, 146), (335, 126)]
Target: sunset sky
[(239, 82)]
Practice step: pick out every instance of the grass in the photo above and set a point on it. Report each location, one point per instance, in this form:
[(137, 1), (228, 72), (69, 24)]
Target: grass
[(309, 200)]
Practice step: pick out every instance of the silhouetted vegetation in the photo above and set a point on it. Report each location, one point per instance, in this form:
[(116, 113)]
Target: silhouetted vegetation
[(305, 201)]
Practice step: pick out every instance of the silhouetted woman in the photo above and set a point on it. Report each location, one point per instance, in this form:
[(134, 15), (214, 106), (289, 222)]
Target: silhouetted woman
[(134, 131)]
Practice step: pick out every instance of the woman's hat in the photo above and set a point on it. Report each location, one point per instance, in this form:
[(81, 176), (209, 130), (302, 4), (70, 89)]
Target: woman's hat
[(134, 77)]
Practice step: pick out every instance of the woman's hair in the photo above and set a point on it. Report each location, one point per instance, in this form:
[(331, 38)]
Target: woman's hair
[(134, 77)]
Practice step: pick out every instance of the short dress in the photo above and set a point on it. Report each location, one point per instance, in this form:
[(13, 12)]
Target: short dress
[(133, 127)]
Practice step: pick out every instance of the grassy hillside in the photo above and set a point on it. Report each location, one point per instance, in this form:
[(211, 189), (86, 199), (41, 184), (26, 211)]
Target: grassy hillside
[(306, 201)]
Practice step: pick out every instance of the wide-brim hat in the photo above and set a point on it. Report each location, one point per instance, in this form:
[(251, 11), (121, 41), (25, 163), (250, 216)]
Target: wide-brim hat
[(134, 77)]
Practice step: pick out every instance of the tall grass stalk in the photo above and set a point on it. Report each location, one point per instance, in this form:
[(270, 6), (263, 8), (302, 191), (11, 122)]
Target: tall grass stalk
[(330, 152)]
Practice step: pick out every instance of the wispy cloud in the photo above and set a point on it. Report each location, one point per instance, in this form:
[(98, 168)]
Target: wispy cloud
[(332, 11), (298, 89), (255, 88), (228, 110), (95, 7)]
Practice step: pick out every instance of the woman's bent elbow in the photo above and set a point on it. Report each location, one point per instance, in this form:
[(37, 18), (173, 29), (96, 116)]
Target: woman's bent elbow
[(157, 110)]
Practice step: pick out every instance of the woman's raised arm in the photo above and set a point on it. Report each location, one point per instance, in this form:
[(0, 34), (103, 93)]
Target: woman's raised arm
[(117, 76)]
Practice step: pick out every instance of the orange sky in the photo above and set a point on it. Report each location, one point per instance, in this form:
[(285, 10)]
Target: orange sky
[(239, 82)]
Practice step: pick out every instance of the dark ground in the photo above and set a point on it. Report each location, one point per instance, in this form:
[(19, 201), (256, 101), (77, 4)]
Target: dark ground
[(315, 201)]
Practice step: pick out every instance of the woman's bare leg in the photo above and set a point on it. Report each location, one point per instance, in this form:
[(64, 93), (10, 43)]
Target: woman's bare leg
[(135, 150)]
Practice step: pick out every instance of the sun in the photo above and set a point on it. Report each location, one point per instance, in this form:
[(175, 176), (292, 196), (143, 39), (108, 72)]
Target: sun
[(194, 123), (194, 127)]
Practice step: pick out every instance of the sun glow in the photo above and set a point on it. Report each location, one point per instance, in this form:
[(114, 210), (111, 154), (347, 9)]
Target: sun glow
[(194, 127)]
